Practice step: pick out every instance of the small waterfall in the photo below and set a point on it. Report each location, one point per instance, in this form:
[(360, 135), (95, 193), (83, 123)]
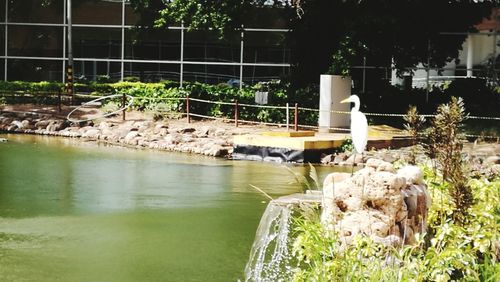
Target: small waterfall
[(271, 250), (270, 258)]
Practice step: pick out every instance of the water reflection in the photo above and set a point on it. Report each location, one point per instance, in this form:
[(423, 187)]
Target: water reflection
[(80, 211), (83, 177)]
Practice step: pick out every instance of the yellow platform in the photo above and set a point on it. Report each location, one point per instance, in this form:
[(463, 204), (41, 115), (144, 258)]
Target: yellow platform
[(294, 143), (380, 136), (288, 133)]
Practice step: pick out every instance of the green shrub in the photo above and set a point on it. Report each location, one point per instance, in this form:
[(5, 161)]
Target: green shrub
[(111, 107), (103, 79), (131, 79), (164, 110), (347, 146), (413, 127), (448, 252), (479, 97), (445, 146), (30, 87), (170, 83)]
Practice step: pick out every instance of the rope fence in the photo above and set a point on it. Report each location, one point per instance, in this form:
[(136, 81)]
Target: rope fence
[(237, 107)]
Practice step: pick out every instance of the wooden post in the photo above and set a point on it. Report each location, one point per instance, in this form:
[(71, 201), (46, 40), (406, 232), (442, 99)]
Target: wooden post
[(59, 101), (236, 113), (287, 116), (69, 84), (124, 98), (296, 125), (187, 108)]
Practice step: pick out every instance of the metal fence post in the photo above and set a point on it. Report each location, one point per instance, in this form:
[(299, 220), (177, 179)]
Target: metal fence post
[(296, 125), (187, 109), (236, 113)]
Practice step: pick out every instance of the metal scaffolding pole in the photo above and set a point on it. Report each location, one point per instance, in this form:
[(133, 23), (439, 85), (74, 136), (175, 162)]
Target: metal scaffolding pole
[(69, 71), (122, 67), (181, 78), (241, 55), (6, 38), (63, 78)]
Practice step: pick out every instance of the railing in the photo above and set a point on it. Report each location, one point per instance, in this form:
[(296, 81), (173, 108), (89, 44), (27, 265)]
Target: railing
[(237, 108)]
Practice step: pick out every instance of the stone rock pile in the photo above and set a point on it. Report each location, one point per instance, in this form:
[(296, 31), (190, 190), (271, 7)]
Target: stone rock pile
[(205, 140), (388, 155), (387, 205)]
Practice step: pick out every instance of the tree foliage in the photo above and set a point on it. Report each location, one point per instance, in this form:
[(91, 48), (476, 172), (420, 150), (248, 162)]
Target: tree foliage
[(399, 32), (217, 15), (403, 33)]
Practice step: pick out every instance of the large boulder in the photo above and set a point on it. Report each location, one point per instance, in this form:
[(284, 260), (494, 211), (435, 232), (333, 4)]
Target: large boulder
[(377, 202), (130, 138)]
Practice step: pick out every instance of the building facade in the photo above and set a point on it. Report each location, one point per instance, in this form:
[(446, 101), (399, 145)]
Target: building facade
[(479, 57), (107, 45)]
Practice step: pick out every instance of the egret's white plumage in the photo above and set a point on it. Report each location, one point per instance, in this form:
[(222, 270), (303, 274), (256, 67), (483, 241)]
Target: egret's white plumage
[(359, 125)]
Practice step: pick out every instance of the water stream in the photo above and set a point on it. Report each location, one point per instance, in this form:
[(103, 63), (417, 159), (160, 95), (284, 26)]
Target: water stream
[(271, 254)]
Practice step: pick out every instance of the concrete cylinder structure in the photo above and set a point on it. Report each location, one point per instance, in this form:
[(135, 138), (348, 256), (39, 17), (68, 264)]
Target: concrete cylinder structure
[(333, 89)]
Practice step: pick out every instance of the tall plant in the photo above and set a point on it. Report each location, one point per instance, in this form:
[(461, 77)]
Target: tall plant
[(413, 125), (446, 142)]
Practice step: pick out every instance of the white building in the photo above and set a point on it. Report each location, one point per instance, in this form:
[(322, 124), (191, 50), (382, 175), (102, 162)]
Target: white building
[(478, 50)]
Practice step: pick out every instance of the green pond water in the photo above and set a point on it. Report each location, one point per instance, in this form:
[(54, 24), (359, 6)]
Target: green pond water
[(76, 211)]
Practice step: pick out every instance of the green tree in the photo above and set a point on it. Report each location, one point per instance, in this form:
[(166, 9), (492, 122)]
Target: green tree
[(403, 32), (194, 14)]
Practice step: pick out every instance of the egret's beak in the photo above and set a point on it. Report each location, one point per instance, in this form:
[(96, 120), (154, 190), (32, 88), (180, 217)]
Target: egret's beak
[(345, 101)]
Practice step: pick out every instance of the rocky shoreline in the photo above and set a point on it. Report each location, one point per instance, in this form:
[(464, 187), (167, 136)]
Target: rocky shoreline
[(205, 138), (163, 135)]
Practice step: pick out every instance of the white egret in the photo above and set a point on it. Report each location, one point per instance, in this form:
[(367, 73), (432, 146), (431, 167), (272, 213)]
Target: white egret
[(359, 126)]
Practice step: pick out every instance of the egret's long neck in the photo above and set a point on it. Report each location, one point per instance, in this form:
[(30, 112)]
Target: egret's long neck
[(356, 107)]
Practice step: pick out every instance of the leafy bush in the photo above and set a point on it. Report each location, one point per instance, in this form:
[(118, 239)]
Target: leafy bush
[(479, 97), (163, 110), (111, 107), (94, 88), (449, 251), (385, 98), (445, 145), (131, 79), (30, 87), (103, 79), (226, 93), (413, 126), (462, 236), (347, 145)]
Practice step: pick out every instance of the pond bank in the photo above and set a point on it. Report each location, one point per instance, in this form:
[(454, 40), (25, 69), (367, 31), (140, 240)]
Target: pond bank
[(210, 138)]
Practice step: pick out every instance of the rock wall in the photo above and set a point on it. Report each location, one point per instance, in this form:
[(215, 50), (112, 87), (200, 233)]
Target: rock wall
[(161, 135), (387, 205)]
